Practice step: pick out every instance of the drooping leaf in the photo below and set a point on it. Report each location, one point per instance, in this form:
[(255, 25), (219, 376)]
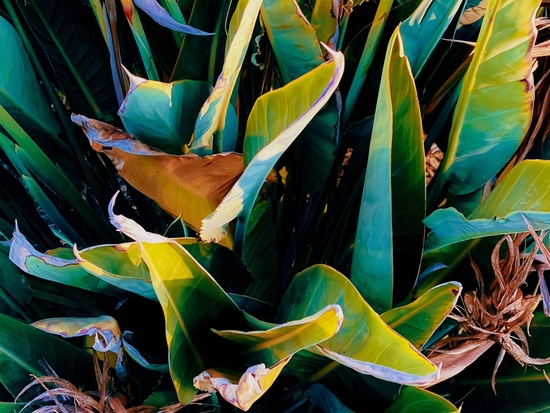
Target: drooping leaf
[(364, 342), (422, 31), (244, 391), (163, 114), (55, 266), (418, 320), (182, 185), (25, 350), (415, 400), (180, 284), (284, 340), (162, 17), (394, 194), (494, 108), (70, 36), (317, 86), (138, 358), (212, 116), (20, 92)]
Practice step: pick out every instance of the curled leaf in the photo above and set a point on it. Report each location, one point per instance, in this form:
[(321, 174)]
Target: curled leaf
[(162, 17), (250, 387), (184, 184)]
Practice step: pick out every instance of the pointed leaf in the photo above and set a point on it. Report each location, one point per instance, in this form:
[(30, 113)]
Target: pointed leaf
[(390, 234), (318, 85), (211, 119), (59, 269), (249, 388), (364, 342), (283, 340), (418, 320), (182, 185), (162, 17), (415, 400), (181, 284), (495, 105), (422, 31), (25, 350), (163, 114), (20, 92)]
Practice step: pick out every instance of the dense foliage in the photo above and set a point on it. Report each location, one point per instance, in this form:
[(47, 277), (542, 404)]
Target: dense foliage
[(274, 205)]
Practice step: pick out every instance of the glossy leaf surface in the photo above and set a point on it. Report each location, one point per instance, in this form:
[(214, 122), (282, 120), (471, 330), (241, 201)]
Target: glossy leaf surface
[(494, 108), (389, 239), (163, 114), (180, 283), (319, 85), (364, 343), (418, 320), (273, 345), (162, 17)]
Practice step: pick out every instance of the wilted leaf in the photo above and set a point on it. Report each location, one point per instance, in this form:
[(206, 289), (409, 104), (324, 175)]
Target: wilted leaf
[(364, 342), (284, 340), (319, 84), (182, 185), (249, 388), (418, 320), (390, 234)]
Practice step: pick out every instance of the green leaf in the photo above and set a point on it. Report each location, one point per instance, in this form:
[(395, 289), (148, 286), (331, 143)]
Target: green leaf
[(163, 114), (422, 31), (494, 108), (415, 400), (15, 292), (20, 93), (181, 284), (162, 17), (502, 212), (10, 407), (293, 39), (182, 185), (418, 320), (50, 266), (390, 234), (25, 350), (212, 116), (283, 340), (70, 36), (364, 342), (371, 46), (315, 89)]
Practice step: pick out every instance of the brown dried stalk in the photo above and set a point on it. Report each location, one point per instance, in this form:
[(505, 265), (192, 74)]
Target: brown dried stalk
[(499, 311)]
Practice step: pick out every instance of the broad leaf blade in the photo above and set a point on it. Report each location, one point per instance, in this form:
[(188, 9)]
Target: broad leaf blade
[(415, 400), (319, 85), (364, 342), (389, 240), (494, 108)]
